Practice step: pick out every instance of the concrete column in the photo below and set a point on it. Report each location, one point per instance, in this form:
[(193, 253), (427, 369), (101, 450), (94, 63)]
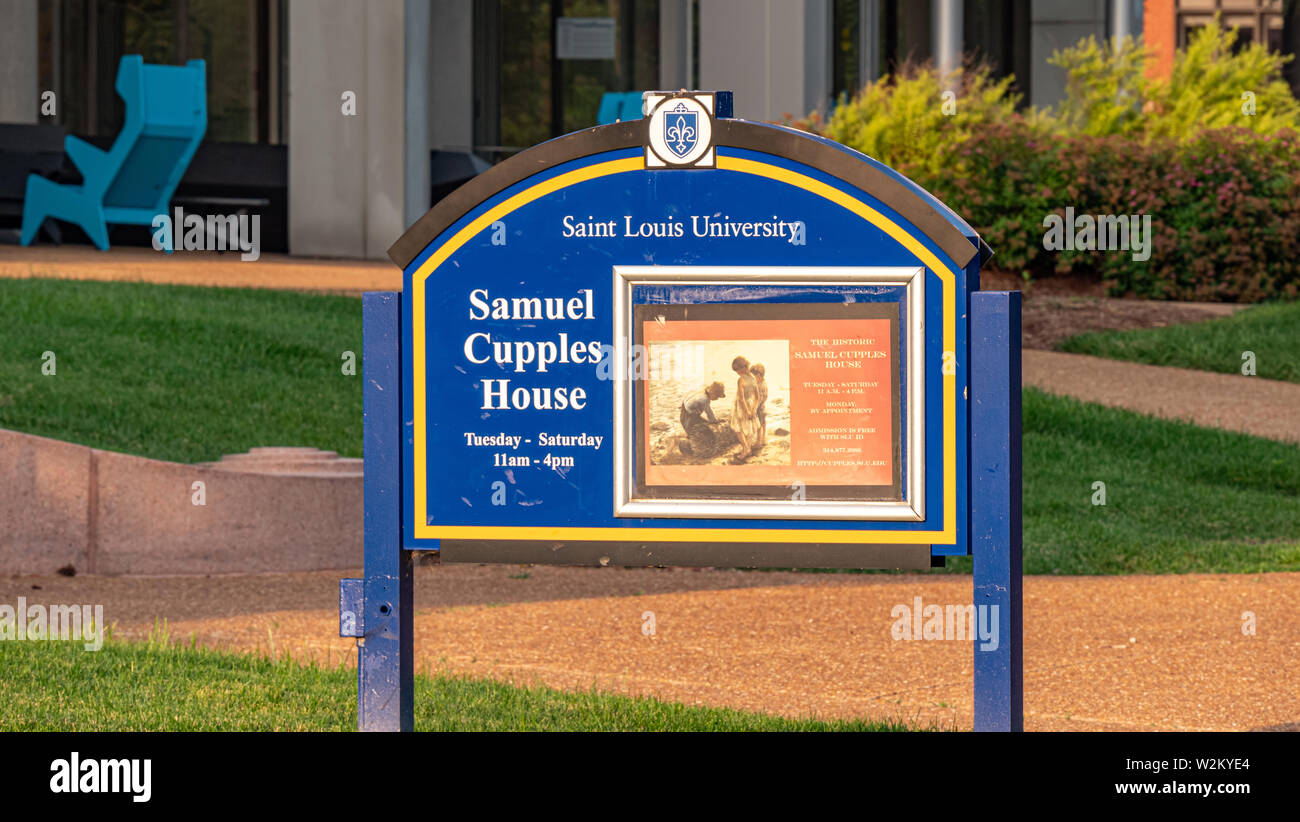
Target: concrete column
[(19, 97), (415, 164), (818, 21), (1058, 24), (869, 44), (385, 183), (947, 21), (346, 192), (451, 85), (1121, 19), (774, 54), (674, 57)]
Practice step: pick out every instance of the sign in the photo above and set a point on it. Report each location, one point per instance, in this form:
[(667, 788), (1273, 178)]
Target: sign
[(584, 38), (560, 311), (690, 340)]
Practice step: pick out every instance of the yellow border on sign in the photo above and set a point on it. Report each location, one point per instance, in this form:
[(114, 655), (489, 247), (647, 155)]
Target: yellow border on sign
[(946, 275)]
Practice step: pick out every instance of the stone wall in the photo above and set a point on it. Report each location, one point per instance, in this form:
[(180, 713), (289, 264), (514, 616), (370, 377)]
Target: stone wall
[(101, 512)]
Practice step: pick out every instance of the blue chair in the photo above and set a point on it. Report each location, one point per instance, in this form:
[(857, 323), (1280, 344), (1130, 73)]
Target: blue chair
[(131, 183), (618, 105)]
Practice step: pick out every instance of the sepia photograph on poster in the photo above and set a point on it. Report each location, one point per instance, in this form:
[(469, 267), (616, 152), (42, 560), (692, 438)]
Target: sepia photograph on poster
[(763, 401)]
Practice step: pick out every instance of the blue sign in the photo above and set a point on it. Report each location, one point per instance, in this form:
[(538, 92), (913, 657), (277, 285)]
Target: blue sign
[(691, 340), (519, 347)]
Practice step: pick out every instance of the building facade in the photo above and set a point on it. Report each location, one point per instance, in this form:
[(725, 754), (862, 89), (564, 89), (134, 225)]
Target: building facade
[(365, 113)]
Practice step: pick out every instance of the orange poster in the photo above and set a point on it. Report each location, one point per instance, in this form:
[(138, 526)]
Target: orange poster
[(766, 401)]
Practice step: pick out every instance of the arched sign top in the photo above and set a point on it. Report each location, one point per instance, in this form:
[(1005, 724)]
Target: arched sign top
[(923, 210), (578, 336)]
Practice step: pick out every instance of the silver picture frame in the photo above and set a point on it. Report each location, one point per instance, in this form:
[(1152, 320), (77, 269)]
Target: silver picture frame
[(911, 345)]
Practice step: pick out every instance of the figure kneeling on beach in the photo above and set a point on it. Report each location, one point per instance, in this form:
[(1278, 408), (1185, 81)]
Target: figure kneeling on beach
[(699, 422)]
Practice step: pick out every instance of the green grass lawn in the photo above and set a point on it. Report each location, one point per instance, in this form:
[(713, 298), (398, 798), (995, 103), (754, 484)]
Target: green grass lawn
[(58, 686), (188, 374), (1178, 498), (179, 373), (1272, 332)]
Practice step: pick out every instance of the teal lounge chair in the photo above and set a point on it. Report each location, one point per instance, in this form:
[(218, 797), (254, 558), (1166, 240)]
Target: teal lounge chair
[(618, 105), (131, 183)]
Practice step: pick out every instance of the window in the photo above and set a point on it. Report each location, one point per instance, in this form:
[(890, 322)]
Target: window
[(846, 45), (523, 95), (1256, 21), (82, 41)]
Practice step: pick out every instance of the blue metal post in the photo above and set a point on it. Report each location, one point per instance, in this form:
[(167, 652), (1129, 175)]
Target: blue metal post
[(995, 495), (385, 674)]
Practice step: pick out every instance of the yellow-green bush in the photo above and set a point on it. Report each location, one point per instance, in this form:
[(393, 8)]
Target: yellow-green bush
[(1107, 91), (906, 121), (1207, 87), (1105, 88)]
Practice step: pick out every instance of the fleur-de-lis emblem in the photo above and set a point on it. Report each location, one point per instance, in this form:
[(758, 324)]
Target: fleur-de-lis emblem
[(680, 130)]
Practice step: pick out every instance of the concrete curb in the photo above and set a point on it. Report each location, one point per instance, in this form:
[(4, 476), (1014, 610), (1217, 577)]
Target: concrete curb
[(102, 512)]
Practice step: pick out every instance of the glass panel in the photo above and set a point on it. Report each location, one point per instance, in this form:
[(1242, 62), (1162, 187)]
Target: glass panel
[(586, 80), (1245, 27), (635, 66), (1189, 26), (515, 105), (82, 42), (525, 92), (149, 29), (1275, 34), (223, 33), (62, 27), (846, 31)]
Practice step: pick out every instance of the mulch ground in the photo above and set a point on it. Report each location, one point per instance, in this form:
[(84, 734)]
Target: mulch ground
[(1101, 653), (1057, 308), (1047, 321)]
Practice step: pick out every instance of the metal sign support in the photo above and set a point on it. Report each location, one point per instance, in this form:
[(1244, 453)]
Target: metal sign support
[(996, 507)]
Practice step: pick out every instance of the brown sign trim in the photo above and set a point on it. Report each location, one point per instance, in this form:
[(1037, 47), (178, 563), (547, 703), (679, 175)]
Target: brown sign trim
[(781, 142), (887, 310), (717, 555)]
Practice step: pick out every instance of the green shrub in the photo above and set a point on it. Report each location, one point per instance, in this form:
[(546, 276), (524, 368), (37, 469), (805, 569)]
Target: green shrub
[(1225, 221), (1208, 84), (1107, 91), (1105, 87), (1008, 174), (901, 120), (1224, 213)]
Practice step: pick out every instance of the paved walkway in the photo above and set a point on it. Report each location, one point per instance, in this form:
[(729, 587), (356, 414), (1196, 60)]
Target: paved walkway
[(1101, 653), (1265, 408), (279, 271)]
